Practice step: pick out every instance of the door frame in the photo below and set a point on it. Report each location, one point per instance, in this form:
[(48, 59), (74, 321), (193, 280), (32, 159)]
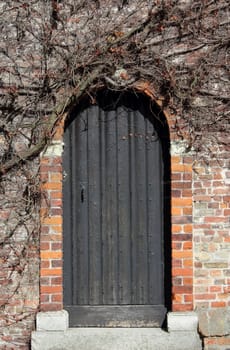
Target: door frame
[(108, 315), (178, 233)]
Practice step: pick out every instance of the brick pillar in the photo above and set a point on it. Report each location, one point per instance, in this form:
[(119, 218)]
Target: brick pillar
[(51, 228), (182, 253)]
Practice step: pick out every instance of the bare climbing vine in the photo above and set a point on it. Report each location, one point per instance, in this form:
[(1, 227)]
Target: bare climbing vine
[(55, 52)]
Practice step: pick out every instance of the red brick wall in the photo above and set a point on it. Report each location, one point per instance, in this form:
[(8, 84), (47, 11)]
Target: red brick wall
[(51, 227), (182, 253)]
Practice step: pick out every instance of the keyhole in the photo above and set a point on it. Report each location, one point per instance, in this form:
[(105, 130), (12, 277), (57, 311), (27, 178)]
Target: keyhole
[(82, 195)]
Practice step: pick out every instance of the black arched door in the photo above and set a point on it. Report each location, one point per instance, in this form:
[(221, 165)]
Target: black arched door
[(113, 216)]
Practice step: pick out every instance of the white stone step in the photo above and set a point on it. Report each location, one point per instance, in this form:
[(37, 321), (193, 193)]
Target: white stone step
[(53, 333), (115, 339)]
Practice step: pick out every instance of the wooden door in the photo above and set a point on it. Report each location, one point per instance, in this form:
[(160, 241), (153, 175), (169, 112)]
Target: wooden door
[(113, 216)]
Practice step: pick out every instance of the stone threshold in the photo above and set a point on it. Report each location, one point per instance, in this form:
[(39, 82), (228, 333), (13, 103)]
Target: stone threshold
[(53, 334)]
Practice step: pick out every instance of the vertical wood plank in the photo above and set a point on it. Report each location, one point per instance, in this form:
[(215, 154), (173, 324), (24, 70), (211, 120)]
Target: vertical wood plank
[(80, 210), (133, 206), (74, 208), (94, 206), (155, 216), (141, 217), (110, 237), (102, 126), (67, 207), (123, 207)]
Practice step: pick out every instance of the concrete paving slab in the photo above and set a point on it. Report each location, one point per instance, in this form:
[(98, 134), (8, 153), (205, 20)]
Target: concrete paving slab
[(115, 339)]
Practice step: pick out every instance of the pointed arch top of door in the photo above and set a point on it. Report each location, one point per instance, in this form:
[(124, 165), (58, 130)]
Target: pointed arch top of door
[(109, 100), (114, 212)]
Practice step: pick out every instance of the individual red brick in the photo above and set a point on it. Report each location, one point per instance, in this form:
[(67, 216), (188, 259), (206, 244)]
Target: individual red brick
[(182, 289), (183, 168), (182, 237), (51, 289), (187, 281), (51, 168), (176, 228), (51, 186), (56, 281), (53, 220), (56, 298), (45, 281), (188, 228), (56, 160), (176, 159), (56, 246), (182, 272), (205, 296), (177, 281), (187, 263), (186, 193), (44, 229), (51, 272), (45, 264), (56, 195), (181, 202), (218, 340), (188, 298), (175, 211), (218, 304), (55, 211), (181, 184), (177, 263), (56, 263), (51, 306), (176, 245), (56, 202), (215, 219), (181, 254), (187, 211), (44, 298), (187, 176), (44, 245), (176, 176), (176, 193), (183, 307), (181, 219), (49, 254), (56, 230), (55, 177), (187, 245), (188, 160), (215, 289)]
